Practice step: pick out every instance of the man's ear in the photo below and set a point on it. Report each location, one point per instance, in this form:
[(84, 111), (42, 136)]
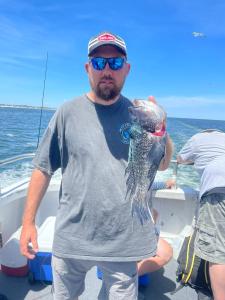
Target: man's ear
[(128, 68), (86, 67)]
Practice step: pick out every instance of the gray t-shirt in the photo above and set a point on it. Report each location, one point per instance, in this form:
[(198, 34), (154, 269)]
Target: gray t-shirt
[(207, 151), (90, 142)]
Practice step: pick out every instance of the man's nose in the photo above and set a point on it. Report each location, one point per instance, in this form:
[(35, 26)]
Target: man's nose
[(107, 68)]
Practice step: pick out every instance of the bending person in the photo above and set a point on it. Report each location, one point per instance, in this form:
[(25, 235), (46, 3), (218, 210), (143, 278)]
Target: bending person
[(206, 150)]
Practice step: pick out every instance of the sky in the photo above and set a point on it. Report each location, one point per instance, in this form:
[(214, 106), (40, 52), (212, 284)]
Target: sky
[(176, 50)]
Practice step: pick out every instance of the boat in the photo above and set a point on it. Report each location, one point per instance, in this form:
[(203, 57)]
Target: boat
[(176, 208)]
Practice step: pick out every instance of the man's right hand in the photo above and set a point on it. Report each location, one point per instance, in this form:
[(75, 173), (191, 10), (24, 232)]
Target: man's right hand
[(28, 236), (28, 240)]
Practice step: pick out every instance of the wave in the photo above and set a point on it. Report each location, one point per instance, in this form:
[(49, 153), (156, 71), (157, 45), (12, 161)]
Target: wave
[(18, 173)]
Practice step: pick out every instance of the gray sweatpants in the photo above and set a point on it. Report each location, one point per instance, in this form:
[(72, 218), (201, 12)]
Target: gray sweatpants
[(119, 282)]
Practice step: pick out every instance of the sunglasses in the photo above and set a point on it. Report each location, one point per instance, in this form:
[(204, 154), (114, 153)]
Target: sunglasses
[(115, 63)]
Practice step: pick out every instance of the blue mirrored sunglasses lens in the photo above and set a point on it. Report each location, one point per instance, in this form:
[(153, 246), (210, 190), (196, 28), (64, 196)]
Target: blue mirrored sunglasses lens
[(116, 63), (98, 63)]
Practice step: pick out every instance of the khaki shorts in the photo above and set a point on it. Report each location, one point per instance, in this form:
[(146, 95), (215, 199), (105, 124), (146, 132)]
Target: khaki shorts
[(119, 281), (210, 238)]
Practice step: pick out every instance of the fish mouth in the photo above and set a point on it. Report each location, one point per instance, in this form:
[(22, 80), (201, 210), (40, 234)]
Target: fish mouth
[(159, 132), (160, 129)]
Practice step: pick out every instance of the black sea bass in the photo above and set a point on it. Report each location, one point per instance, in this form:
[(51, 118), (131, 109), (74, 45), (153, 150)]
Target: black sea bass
[(147, 148)]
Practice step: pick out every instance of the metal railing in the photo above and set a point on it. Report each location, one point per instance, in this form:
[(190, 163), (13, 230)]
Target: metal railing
[(15, 158)]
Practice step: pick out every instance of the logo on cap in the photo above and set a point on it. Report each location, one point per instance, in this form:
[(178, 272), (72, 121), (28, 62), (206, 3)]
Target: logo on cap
[(106, 37)]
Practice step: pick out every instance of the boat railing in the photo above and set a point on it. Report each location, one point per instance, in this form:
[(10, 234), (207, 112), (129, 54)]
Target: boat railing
[(11, 160), (16, 158)]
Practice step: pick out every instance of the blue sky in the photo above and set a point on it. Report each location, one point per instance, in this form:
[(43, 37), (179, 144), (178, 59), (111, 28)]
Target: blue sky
[(185, 73)]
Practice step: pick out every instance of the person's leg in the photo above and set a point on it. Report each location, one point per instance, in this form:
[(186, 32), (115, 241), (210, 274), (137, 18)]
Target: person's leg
[(68, 277), (163, 256), (119, 281), (210, 240), (217, 278), (203, 296)]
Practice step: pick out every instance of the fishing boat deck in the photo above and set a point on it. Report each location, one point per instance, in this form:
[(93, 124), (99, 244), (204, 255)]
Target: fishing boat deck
[(161, 284), (176, 210)]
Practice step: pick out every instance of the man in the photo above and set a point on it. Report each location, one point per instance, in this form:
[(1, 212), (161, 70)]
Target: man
[(207, 151), (94, 225)]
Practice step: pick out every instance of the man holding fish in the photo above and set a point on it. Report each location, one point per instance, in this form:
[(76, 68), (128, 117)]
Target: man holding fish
[(91, 139)]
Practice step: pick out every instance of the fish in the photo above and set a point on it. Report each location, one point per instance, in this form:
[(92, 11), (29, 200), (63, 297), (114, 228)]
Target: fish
[(146, 149)]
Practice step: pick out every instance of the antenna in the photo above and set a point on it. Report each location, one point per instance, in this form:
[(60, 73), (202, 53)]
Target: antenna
[(42, 99)]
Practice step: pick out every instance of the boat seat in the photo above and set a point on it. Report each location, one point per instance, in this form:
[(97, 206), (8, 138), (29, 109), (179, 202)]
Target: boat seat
[(13, 263), (11, 260), (176, 240)]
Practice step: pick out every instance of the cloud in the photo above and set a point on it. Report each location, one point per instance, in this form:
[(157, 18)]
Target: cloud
[(9, 30), (197, 101), (198, 34), (23, 40), (28, 61), (197, 107)]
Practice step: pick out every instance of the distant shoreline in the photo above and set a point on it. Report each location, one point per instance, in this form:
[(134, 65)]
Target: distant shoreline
[(25, 106)]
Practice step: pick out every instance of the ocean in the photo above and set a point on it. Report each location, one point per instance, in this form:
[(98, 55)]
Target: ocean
[(19, 128)]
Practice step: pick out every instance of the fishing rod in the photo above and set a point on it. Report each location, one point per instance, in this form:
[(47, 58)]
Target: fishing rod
[(42, 99)]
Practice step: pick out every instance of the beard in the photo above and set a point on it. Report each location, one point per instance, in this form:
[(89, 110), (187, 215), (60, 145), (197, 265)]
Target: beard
[(107, 92)]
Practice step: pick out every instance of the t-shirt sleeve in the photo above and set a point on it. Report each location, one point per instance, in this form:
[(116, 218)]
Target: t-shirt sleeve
[(187, 152), (48, 157)]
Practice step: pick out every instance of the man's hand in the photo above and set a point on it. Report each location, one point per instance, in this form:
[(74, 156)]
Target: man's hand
[(37, 187), (184, 162), (28, 235), (170, 183), (152, 99)]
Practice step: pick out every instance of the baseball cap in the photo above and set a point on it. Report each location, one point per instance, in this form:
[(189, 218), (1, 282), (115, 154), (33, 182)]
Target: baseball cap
[(106, 38)]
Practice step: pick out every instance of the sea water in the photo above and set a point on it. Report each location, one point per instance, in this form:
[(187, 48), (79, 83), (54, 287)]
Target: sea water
[(19, 131)]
